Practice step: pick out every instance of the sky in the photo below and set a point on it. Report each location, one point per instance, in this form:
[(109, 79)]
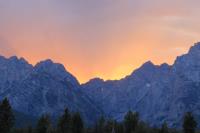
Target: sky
[(99, 38)]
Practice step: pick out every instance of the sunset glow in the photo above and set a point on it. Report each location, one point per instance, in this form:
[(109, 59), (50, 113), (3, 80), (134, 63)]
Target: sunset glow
[(98, 38)]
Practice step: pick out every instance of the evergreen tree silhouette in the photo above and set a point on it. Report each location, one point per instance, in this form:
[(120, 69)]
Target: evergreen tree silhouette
[(131, 121), (6, 116), (189, 123), (43, 125), (64, 123), (77, 123)]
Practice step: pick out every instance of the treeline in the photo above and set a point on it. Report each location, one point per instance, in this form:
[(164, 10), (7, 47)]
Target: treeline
[(73, 123)]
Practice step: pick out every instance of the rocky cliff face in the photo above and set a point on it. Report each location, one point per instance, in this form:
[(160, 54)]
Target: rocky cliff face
[(44, 88), (158, 93), (12, 71), (145, 90)]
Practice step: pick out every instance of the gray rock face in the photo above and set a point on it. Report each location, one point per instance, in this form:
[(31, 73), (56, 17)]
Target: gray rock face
[(158, 93), (44, 88), (12, 71)]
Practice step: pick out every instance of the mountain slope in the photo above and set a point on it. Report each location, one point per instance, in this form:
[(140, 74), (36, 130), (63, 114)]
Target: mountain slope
[(158, 93), (44, 88)]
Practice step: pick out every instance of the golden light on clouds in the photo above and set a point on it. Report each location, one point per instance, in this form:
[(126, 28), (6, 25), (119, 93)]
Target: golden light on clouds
[(107, 38)]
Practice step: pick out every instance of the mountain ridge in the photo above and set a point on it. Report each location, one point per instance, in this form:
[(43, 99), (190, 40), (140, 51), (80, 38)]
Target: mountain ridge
[(44, 88), (165, 90), (149, 62), (47, 87)]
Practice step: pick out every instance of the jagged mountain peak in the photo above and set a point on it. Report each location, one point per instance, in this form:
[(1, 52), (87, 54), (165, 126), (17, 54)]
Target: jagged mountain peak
[(49, 66), (195, 48), (165, 90), (47, 62), (12, 70), (193, 53), (14, 64), (165, 65), (95, 80), (44, 88), (14, 59), (148, 64), (188, 65), (147, 67), (55, 70), (21, 60)]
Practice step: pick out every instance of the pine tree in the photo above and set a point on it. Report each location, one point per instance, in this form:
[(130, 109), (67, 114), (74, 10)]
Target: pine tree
[(64, 123), (143, 128), (100, 125), (164, 128), (6, 116), (189, 124), (119, 127), (131, 121), (77, 123), (109, 126), (43, 125)]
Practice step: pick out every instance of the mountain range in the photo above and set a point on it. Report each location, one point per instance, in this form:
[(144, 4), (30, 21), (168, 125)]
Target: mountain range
[(160, 93), (44, 88)]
